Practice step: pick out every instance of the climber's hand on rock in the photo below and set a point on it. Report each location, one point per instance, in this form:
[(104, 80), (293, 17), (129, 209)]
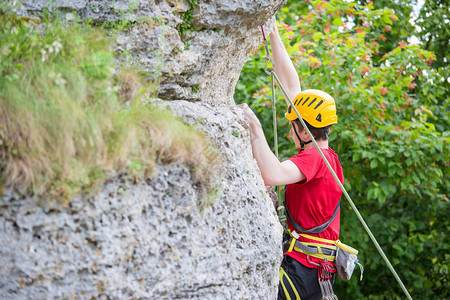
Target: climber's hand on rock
[(249, 116), (274, 29)]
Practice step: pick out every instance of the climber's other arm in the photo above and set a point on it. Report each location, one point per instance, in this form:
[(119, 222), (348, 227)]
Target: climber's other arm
[(272, 170), (284, 68)]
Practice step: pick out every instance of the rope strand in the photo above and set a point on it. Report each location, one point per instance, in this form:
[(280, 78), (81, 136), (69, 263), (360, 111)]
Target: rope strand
[(274, 107)]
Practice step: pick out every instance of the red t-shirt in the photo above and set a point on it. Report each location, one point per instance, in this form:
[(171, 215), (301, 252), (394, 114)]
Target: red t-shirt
[(312, 201)]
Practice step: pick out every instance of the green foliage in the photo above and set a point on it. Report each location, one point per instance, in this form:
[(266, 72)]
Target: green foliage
[(121, 25), (69, 118), (188, 19), (396, 30), (392, 138), (434, 19)]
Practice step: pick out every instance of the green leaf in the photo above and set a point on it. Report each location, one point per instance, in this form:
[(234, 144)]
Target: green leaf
[(409, 162), (356, 156), (381, 199), (415, 178), (317, 36), (373, 164), (337, 22)]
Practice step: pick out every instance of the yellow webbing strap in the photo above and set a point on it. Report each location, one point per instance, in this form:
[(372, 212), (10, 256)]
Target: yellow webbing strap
[(292, 245), (319, 255), (286, 293), (338, 243), (320, 246), (316, 255), (346, 248), (315, 238)]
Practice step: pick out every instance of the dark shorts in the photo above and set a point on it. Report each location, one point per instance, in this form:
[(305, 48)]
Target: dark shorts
[(298, 281)]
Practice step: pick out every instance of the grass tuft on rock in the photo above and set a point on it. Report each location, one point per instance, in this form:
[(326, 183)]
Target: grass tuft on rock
[(69, 119)]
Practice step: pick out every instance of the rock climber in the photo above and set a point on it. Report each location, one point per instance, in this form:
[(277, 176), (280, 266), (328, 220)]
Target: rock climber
[(311, 193)]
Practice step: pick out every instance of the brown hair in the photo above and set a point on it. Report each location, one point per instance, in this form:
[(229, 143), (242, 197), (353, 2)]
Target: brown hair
[(318, 133)]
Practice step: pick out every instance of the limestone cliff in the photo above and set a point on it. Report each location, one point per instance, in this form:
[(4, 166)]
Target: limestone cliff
[(151, 239)]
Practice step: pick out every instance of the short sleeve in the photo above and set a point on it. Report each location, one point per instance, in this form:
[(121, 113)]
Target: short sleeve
[(309, 163)]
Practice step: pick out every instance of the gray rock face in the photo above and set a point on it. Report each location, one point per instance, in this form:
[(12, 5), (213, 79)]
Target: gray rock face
[(200, 65), (153, 239), (148, 240)]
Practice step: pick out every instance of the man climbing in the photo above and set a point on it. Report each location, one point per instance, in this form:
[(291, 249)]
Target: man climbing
[(311, 193)]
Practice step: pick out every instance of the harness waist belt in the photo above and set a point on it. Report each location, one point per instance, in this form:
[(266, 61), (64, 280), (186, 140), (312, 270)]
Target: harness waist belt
[(315, 249)]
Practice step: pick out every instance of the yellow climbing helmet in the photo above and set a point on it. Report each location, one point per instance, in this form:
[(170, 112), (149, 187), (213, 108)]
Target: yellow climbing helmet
[(315, 107)]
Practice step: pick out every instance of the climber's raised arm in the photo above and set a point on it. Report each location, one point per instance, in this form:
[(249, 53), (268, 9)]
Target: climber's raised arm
[(284, 68), (272, 170)]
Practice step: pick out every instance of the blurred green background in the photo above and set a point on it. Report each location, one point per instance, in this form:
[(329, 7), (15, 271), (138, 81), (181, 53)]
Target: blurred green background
[(386, 65)]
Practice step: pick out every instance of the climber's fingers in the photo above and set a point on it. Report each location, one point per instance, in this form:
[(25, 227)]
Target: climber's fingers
[(274, 26), (249, 115)]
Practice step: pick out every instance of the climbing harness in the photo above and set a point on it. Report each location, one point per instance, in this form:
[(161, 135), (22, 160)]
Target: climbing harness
[(327, 253), (317, 229), (344, 191), (344, 255)]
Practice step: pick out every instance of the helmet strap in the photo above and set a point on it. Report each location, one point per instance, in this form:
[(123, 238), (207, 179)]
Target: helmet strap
[(302, 143)]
